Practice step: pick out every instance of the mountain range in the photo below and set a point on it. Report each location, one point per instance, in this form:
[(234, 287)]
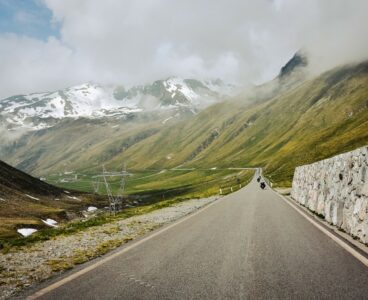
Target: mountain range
[(174, 96), (294, 119)]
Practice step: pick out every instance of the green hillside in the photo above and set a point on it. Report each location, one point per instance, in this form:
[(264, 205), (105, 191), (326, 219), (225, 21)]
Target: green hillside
[(317, 119)]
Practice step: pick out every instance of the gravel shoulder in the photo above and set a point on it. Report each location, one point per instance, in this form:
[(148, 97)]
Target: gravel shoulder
[(27, 266)]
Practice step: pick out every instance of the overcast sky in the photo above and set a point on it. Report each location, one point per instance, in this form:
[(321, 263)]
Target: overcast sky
[(51, 44)]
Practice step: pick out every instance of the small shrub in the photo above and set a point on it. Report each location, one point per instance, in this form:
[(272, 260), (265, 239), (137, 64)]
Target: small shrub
[(105, 247), (58, 265)]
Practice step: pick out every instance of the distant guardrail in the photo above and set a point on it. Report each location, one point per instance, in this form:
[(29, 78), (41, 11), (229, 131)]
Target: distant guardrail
[(231, 189)]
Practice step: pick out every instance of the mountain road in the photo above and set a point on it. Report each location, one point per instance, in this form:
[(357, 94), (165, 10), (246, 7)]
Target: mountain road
[(248, 245)]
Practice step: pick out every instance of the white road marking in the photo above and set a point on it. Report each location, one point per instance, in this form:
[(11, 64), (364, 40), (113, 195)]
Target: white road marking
[(340, 242), (110, 257)]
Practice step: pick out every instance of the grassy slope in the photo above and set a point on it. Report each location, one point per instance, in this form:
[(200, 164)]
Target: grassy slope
[(17, 210), (76, 144), (320, 118)]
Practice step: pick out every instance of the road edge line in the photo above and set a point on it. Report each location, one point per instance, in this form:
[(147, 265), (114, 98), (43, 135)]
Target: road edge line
[(79, 273), (337, 240)]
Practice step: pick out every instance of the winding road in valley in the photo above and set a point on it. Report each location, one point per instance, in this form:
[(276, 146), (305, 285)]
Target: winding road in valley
[(249, 245)]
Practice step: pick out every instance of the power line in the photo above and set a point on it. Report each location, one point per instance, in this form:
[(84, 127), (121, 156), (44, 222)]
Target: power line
[(115, 201)]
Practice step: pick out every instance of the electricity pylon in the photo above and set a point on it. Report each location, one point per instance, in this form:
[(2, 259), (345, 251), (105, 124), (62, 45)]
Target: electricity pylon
[(115, 201)]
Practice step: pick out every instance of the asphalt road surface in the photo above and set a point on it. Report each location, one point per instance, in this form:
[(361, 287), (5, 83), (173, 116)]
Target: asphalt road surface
[(249, 245)]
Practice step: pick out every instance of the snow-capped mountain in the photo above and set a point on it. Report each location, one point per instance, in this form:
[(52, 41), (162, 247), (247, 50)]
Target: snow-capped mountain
[(41, 110)]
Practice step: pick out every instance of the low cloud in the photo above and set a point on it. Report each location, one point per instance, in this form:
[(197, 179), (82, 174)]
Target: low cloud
[(134, 42), (9, 137)]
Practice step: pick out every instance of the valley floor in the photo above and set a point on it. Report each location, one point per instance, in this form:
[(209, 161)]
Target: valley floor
[(29, 265)]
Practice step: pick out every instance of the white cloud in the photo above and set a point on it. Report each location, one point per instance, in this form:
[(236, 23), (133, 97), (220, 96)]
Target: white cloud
[(139, 41), (30, 65)]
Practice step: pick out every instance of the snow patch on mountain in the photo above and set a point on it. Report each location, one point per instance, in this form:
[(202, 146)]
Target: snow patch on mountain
[(31, 197), (42, 110), (26, 231), (50, 222), (175, 84)]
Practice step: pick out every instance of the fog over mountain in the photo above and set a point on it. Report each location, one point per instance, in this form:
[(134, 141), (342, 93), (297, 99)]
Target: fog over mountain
[(135, 42)]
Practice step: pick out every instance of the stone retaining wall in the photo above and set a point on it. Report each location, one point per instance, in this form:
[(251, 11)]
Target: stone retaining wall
[(337, 189)]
